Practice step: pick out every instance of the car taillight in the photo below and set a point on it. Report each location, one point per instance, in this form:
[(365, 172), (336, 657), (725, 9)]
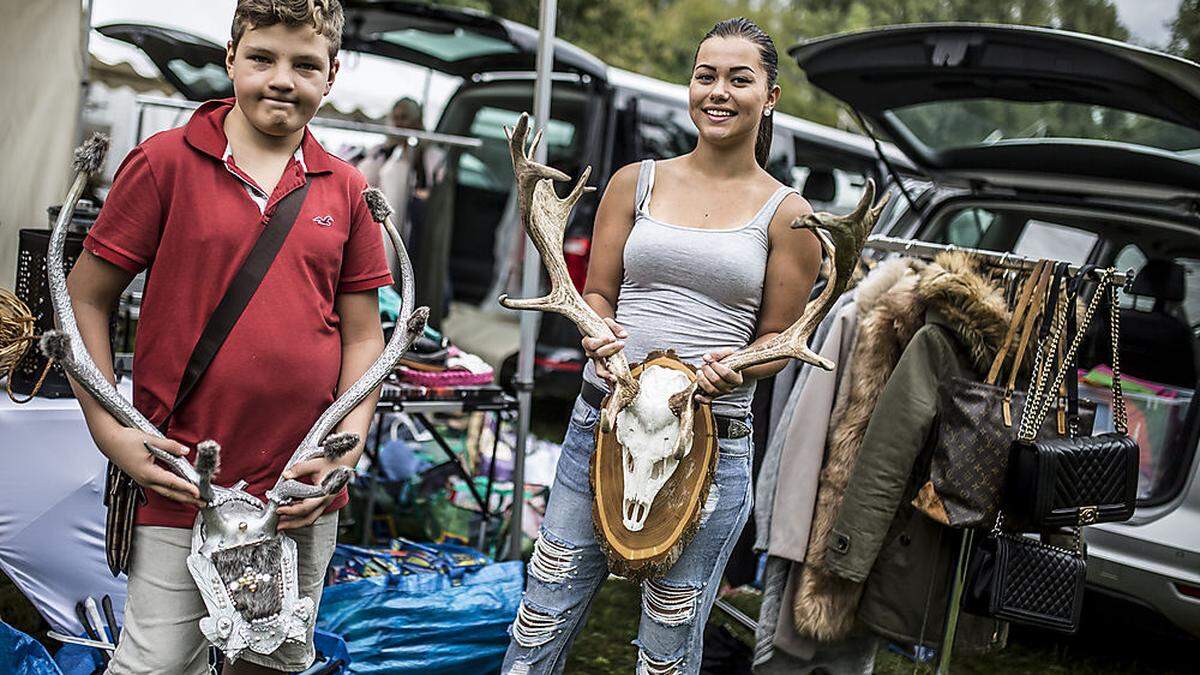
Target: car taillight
[(1188, 590), (575, 253)]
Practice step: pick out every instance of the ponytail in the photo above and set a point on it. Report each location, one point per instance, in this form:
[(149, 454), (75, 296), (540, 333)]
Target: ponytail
[(762, 143)]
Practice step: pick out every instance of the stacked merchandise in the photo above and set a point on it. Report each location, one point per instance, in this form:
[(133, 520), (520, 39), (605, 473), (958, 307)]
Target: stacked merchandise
[(899, 459), (421, 495)]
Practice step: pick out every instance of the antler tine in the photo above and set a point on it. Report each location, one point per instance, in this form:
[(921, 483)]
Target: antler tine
[(527, 171), (548, 216), (409, 324), (66, 345), (841, 239)]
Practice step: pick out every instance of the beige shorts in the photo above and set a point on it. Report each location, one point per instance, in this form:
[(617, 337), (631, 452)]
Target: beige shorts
[(161, 631)]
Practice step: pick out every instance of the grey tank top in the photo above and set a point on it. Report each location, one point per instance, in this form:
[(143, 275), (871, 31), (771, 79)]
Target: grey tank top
[(690, 289)]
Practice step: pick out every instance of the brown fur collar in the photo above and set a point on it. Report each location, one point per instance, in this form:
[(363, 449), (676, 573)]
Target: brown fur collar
[(968, 304), (892, 301)]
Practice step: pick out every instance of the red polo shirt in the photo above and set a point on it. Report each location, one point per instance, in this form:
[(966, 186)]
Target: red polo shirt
[(180, 207)]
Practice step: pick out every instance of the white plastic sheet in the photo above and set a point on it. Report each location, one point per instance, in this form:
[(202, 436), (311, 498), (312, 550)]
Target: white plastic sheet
[(52, 509)]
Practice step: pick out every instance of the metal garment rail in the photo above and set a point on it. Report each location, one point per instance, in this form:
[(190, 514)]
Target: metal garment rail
[(928, 251), (922, 249)]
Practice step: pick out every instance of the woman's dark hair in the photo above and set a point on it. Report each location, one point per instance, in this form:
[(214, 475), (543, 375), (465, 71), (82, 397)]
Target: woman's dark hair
[(748, 30)]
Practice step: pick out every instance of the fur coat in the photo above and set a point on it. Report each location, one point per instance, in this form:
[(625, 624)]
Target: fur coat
[(972, 309)]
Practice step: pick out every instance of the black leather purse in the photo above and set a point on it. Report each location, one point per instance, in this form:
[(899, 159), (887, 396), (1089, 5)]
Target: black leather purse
[(1014, 578), (1057, 482)]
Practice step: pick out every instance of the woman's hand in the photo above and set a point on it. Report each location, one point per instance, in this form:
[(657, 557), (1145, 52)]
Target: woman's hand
[(124, 447), (715, 379), (306, 511), (598, 349)]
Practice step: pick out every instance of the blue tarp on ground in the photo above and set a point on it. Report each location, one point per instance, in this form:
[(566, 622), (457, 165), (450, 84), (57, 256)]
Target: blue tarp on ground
[(22, 655), (426, 623)]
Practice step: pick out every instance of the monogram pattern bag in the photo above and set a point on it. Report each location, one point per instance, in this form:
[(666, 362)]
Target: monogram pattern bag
[(1060, 482), (975, 424)]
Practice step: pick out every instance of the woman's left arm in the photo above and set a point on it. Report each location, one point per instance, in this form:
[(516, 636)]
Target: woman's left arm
[(793, 261)]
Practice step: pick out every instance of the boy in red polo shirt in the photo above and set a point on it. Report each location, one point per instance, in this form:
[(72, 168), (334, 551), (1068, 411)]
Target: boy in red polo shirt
[(188, 204)]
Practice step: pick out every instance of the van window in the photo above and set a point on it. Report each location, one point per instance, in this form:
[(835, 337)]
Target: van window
[(834, 190), (1157, 344), (489, 167), (454, 46), (664, 130), (968, 227), (1046, 240)]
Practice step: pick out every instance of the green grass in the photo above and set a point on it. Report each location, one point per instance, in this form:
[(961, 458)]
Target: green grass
[(1116, 641)]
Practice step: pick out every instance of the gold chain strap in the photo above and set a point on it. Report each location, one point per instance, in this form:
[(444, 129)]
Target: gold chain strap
[(1038, 405), (1120, 421)]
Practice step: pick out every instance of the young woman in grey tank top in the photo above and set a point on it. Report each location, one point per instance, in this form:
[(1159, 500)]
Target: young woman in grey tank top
[(693, 253)]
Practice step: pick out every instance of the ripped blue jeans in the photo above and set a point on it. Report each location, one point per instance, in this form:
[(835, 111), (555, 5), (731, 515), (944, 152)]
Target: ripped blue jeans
[(568, 567)]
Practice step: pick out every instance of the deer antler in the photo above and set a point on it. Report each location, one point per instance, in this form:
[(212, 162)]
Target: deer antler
[(409, 324), (66, 346), (842, 239), (544, 216), (527, 171)]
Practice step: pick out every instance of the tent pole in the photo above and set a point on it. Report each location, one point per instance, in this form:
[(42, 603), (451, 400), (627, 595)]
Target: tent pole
[(531, 281), (85, 38)]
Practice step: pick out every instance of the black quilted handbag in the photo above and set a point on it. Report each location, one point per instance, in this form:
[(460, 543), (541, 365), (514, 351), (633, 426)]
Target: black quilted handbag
[(1057, 482), (975, 428), (1022, 580)]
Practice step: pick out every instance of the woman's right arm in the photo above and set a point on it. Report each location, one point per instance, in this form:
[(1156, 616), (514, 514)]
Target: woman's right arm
[(614, 220)]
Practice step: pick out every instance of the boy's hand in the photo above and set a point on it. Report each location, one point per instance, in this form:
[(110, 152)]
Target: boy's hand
[(124, 448), (304, 513)]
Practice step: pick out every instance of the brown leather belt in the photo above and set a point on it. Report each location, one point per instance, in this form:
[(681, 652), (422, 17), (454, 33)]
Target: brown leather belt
[(727, 427)]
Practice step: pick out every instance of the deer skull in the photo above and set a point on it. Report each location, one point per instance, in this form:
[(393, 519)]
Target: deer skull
[(652, 442), (243, 566)]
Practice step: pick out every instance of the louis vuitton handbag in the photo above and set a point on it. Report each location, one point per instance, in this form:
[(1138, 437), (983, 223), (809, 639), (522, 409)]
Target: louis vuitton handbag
[(1056, 482), (975, 426)]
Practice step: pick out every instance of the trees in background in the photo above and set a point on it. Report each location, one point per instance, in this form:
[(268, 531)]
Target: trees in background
[(1185, 31), (658, 37)]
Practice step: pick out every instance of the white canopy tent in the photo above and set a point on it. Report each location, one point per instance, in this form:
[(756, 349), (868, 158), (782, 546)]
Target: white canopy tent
[(41, 48)]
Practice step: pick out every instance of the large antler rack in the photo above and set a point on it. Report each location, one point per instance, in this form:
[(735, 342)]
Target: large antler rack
[(544, 216), (65, 345)]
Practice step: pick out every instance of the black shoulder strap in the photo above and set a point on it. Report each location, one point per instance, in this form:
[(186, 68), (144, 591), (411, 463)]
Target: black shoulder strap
[(238, 295)]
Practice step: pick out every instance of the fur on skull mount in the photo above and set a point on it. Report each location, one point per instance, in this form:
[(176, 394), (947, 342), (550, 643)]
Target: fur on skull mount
[(657, 422), (244, 568)]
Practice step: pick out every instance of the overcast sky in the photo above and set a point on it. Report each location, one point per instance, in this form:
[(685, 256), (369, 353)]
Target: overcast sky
[(1148, 20)]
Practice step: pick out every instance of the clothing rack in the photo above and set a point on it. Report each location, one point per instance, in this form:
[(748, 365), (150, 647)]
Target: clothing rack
[(1012, 261), (923, 249)]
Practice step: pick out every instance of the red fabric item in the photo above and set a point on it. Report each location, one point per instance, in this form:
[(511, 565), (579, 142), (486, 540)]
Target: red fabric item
[(178, 208)]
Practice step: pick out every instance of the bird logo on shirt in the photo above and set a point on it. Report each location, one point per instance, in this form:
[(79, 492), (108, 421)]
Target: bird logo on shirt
[(323, 221)]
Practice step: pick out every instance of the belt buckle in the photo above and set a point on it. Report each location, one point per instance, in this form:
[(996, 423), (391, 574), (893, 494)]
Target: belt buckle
[(738, 429)]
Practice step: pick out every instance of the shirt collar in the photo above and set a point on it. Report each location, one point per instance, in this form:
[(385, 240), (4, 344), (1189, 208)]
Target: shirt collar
[(205, 132)]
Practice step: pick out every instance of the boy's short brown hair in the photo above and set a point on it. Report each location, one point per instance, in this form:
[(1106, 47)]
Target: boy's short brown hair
[(325, 16)]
